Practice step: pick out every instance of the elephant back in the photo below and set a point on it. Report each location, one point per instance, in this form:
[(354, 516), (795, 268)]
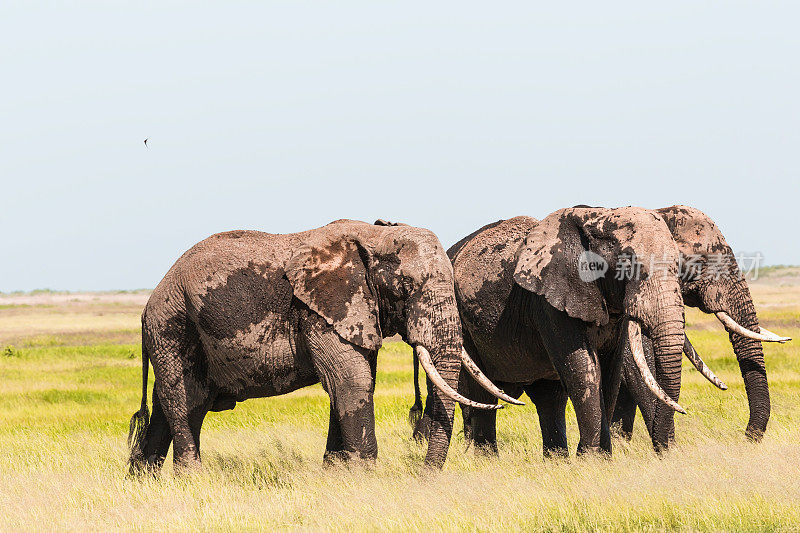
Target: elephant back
[(484, 264)]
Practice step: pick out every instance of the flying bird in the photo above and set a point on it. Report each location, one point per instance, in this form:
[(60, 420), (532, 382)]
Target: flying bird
[(145, 142)]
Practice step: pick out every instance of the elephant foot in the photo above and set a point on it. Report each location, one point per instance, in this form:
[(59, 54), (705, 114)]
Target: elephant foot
[(754, 434), (422, 429), (139, 469), (333, 458), (187, 463), (149, 468), (344, 457), (486, 449), (619, 430), (588, 449), (593, 451), (556, 454), (662, 447)]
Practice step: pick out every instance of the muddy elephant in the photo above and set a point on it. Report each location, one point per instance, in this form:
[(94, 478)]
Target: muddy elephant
[(712, 282), (545, 306), (246, 314)]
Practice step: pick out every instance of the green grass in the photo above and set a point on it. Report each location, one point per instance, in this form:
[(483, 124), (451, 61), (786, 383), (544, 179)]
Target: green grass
[(65, 404)]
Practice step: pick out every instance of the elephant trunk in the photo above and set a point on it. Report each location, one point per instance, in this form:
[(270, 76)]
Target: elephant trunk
[(433, 323), (750, 355), (668, 349), (659, 307)]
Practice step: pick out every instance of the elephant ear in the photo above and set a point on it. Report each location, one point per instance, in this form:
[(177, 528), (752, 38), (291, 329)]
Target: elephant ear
[(548, 265), (330, 277)]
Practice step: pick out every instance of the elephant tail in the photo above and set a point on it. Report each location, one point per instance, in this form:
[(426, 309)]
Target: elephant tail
[(141, 419)]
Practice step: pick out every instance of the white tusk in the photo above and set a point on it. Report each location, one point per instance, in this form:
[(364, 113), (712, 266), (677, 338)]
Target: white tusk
[(700, 365), (437, 379), (635, 339), (483, 380), (765, 331), (765, 335)]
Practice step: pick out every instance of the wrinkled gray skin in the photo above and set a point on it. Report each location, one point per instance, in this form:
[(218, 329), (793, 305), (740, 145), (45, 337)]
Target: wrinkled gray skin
[(246, 314), (696, 235), (532, 325)]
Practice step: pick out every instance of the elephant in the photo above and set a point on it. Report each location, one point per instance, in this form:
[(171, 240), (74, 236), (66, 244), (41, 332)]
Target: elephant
[(246, 314), (711, 281), (545, 307)]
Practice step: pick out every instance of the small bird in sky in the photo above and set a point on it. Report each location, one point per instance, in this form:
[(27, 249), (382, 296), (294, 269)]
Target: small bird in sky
[(145, 142)]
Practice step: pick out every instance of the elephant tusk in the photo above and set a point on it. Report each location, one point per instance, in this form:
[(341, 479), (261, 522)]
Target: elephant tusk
[(437, 379), (635, 339), (483, 380), (765, 335), (765, 331), (700, 365)]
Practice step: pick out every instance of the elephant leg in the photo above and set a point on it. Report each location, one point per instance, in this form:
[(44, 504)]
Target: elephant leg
[(183, 394), (550, 398), (422, 428), (624, 413), (335, 443), (480, 425), (645, 399), (158, 437), (185, 418), (566, 342), (581, 379), (465, 384), (633, 392), (175, 405), (483, 424), (611, 362), (196, 418), (468, 387), (605, 435), (346, 373), (611, 377)]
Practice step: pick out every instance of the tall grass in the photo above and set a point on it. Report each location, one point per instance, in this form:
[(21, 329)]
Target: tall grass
[(64, 411)]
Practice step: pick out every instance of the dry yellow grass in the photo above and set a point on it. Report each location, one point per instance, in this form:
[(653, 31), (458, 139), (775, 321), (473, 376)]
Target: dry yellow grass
[(65, 401)]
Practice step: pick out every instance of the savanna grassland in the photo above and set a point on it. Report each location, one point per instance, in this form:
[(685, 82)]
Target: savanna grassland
[(70, 379)]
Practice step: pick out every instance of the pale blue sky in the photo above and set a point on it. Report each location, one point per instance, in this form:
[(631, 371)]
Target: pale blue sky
[(282, 116)]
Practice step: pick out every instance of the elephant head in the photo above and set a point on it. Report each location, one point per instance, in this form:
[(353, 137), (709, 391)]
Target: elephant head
[(598, 264), (712, 281), (370, 281)]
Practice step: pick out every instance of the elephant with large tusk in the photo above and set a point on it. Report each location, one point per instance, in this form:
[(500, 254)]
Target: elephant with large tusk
[(246, 314), (545, 306), (711, 281)]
